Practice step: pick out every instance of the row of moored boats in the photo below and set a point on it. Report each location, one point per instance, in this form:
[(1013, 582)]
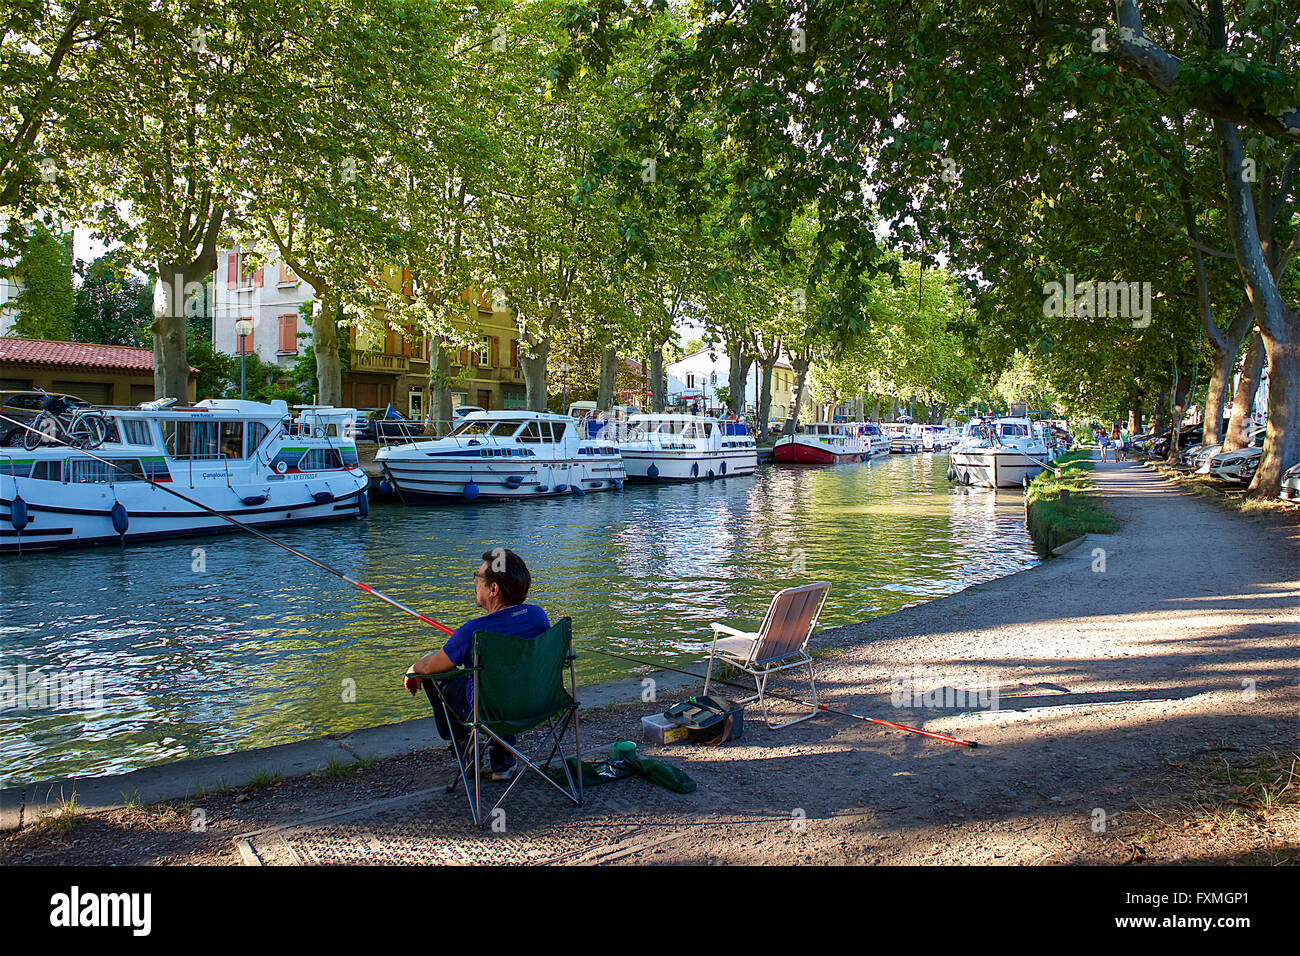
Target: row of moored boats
[(265, 465)]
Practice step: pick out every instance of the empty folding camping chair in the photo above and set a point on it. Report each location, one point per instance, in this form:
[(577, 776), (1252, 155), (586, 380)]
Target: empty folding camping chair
[(779, 645), (518, 685)]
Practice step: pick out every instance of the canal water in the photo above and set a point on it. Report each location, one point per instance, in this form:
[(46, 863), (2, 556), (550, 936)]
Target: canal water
[(216, 644)]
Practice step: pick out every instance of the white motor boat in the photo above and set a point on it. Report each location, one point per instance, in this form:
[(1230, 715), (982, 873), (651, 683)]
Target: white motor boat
[(904, 438), (249, 460), (504, 454), (873, 439), (685, 448), (998, 453)]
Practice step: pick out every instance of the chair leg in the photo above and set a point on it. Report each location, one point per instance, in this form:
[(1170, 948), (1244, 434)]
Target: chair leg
[(762, 697), (478, 774)]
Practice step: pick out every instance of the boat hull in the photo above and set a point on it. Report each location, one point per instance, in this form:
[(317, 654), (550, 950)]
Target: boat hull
[(1006, 470), (688, 465), (800, 453), (74, 516), (449, 478)]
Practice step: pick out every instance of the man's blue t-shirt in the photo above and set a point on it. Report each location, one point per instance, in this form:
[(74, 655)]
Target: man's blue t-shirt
[(520, 620)]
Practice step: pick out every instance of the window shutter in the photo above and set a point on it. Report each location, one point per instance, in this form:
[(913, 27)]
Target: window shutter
[(289, 333), (408, 286), (514, 353), (232, 271), (464, 356), (287, 275), (495, 353), (244, 343), (257, 278)]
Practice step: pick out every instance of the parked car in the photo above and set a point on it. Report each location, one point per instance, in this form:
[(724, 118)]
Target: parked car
[(375, 422), (1239, 465), (460, 411), (1291, 484), (24, 406)]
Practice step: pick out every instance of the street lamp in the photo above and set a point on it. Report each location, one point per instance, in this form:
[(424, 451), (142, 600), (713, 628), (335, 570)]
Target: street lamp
[(564, 374), (242, 328)]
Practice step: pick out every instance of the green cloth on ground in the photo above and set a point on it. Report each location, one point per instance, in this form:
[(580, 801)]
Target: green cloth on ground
[(625, 762)]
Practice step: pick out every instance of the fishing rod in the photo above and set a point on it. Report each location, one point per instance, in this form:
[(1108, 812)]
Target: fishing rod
[(794, 700), (360, 585)]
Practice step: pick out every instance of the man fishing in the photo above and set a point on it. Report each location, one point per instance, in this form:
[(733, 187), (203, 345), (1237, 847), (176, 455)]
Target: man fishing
[(500, 586)]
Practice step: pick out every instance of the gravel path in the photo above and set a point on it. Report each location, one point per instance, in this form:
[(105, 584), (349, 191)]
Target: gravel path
[(1119, 671)]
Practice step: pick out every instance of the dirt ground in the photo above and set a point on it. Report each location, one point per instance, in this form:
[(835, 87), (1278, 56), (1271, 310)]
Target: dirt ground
[(1136, 701)]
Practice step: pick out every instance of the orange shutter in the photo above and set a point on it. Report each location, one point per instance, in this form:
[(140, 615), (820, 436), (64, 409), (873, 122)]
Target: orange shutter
[(514, 353), (287, 274), (464, 356), (244, 343), (232, 271), (494, 354), (257, 278), (289, 333), (408, 287)]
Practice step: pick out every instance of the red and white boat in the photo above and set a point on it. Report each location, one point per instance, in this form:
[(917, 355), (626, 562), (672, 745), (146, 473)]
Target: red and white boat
[(822, 443)]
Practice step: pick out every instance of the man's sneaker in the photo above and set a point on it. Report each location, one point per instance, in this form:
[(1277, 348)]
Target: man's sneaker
[(505, 769)]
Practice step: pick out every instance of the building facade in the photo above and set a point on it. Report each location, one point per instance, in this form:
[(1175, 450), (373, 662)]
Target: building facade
[(99, 374), (696, 378), (388, 366)]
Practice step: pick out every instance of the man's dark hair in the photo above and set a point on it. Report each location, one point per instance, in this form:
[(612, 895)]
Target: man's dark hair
[(508, 572)]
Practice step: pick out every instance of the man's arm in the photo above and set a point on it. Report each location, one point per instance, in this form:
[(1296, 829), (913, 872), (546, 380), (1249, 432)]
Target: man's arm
[(436, 663)]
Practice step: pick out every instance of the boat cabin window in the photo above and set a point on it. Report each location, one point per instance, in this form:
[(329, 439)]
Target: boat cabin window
[(19, 469), (232, 439), (320, 459), (134, 431), (1012, 429), (192, 439), (89, 471), (48, 470), (531, 433), (500, 428), (255, 435)]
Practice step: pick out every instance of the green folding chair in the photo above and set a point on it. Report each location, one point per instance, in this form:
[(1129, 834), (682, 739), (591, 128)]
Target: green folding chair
[(518, 685)]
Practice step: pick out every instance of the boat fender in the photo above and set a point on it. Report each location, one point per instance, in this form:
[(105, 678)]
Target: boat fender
[(121, 520), (561, 489), (724, 468), (363, 503), (597, 484), (514, 481), (618, 485), (652, 471), (710, 474), (470, 491), (323, 497), (542, 488), (385, 488), (252, 500), (18, 513), (695, 470), (577, 490)]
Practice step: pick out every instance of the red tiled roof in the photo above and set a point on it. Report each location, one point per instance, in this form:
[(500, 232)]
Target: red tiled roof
[(82, 355)]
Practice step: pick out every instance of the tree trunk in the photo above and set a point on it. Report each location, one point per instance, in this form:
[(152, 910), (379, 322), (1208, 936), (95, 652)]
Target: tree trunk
[(535, 373), (439, 384), (1282, 441), (608, 378), (1243, 400), (800, 385), (1226, 344), (325, 343), (1181, 391), (658, 386), (171, 376), (765, 367), (739, 364)]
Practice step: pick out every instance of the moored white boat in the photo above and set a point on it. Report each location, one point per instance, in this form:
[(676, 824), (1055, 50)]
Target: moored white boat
[(685, 448), (248, 460), (821, 443), (998, 453), (504, 455), (873, 439)]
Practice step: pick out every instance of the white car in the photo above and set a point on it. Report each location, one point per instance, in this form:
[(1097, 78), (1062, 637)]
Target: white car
[(1239, 465), (1291, 484), (1200, 459)]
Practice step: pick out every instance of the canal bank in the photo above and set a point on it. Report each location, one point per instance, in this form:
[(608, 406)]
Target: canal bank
[(1118, 669)]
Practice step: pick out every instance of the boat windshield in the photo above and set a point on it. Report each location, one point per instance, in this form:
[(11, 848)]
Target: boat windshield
[(498, 427), (1013, 430)]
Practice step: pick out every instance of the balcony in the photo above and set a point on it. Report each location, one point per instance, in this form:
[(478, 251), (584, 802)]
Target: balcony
[(381, 362)]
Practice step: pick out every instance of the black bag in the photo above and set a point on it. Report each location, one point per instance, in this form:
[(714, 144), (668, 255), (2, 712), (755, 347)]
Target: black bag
[(709, 720)]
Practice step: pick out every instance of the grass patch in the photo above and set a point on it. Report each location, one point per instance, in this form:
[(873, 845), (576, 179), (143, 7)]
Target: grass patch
[(1253, 805), (265, 779), (1055, 518), (62, 822)]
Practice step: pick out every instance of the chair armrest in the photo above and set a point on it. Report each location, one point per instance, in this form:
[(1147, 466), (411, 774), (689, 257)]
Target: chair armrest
[(730, 630), (444, 675)]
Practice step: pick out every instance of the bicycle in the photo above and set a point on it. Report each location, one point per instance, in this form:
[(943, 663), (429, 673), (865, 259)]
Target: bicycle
[(79, 427)]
